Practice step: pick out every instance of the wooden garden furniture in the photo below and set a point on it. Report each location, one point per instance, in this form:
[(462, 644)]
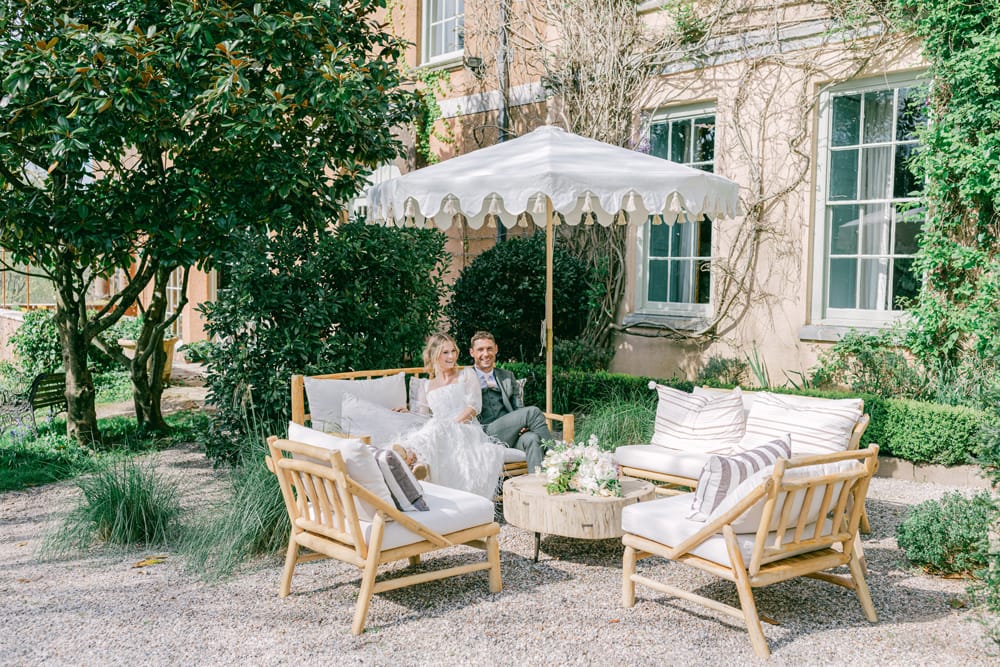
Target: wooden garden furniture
[(802, 519)]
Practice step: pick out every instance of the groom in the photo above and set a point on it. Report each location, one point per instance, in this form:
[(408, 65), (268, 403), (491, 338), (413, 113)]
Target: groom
[(503, 416)]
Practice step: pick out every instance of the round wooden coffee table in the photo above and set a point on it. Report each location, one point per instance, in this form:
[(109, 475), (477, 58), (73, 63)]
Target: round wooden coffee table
[(527, 505)]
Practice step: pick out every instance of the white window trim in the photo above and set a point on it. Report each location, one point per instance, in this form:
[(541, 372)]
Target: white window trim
[(440, 61), (693, 311), (820, 315)]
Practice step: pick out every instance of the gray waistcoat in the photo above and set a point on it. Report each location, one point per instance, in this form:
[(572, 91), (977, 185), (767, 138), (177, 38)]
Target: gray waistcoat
[(492, 406)]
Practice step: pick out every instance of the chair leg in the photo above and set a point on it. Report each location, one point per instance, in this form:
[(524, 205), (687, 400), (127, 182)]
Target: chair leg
[(368, 575), (493, 556), (291, 557), (866, 527), (414, 560), (861, 588), (745, 591), (628, 569)]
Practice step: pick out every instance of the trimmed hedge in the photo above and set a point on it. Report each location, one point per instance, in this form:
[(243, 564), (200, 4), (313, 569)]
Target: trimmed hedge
[(913, 430)]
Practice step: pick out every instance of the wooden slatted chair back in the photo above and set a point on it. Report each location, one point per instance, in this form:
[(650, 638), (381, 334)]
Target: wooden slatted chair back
[(314, 485), (791, 523)]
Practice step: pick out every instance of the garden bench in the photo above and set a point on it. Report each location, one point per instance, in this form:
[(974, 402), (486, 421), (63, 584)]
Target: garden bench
[(48, 390)]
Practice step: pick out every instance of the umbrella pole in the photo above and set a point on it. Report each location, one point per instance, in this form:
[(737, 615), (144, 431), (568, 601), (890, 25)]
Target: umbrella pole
[(549, 249)]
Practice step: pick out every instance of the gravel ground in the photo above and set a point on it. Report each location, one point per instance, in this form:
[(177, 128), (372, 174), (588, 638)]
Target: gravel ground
[(564, 610)]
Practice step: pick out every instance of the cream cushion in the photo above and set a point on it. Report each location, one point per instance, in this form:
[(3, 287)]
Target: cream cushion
[(358, 459), (662, 460), (448, 510), (663, 521), (750, 519), (327, 396), (816, 425), (689, 422), (384, 426), (511, 455)]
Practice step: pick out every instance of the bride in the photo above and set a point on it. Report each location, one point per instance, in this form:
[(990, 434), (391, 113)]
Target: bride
[(452, 443)]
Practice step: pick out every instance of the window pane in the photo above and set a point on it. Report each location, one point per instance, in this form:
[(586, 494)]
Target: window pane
[(437, 10), (843, 276), (846, 120), (904, 285), (905, 183), (16, 287), (875, 230), (42, 291), (682, 239), (876, 169), (909, 220), (844, 174), (910, 113), (874, 284), (681, 281), (704, 142), (704, 282), (879, 112), (844, 225), (659, 240), (657, 290), (705, 238), (680, 141), (659, 140)]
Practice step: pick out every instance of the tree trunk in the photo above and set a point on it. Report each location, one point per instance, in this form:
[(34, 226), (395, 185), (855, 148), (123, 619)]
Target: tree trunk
[(71, 321), (147, 364)]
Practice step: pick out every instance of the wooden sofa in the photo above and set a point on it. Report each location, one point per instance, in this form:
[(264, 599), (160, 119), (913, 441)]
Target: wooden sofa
[(515, 462)]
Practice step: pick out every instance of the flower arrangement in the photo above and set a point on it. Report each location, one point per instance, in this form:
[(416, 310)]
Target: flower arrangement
[(581, 467)]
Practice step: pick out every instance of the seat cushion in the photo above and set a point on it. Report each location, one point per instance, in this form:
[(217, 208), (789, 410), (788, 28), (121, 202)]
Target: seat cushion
[(662, 460), (663, 521), (449, 510), (816, 425), (358, 459), (511, 455), (689, 422), (327, 395)]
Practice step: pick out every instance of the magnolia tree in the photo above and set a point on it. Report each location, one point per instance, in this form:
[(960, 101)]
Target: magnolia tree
[(141, 136)]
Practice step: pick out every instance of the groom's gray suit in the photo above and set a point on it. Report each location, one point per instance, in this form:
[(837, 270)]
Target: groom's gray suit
[(504, 417)]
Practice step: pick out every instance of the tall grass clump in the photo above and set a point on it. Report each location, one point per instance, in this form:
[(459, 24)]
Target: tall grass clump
[(618, 420), (125, 502), (251, 522)]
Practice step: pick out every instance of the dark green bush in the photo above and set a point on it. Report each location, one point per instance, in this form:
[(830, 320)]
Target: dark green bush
[(362, 297), (724, 371), (951, 535), (36, 343), (871, 364), (503, 291), (198, 351)]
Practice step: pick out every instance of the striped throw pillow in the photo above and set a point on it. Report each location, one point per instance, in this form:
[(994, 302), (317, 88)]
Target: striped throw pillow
[(817, 425), (406, 491), (703, 423), (723, 474)]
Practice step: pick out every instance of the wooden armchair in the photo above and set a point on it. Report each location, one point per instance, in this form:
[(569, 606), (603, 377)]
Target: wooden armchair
[(321, 503), (802, 520)]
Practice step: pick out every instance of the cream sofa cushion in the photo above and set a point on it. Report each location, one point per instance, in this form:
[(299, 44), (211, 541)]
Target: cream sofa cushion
[(326, 396), (816, 425), (688, 422)]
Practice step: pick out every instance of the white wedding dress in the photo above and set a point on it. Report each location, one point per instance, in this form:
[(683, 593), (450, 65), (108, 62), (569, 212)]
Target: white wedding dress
[(460, 456)]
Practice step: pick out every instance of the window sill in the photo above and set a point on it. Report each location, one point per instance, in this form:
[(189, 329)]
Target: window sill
[(662, 321), (831, 333), (449, 61)]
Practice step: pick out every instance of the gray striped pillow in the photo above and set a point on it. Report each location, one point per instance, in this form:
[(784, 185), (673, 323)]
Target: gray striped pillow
[(703, 423), (404, 488), (722, 474), (817, 425)]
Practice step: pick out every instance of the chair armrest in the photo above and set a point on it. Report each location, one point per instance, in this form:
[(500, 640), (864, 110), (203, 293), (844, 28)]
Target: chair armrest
[(392, 513), (567, 420)]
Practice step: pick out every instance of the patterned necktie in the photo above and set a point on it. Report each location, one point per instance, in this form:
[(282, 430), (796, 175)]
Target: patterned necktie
[(491, 382)]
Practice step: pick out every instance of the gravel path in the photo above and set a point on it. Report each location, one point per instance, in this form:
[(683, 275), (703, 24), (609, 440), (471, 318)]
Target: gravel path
[(564, 610)]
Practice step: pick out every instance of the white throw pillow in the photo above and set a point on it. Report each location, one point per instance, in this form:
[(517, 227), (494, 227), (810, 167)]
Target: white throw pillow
[(749, 521), (326, 397), (817, 425), (360, 417), (358, 459), (722, 475), (697, 423)]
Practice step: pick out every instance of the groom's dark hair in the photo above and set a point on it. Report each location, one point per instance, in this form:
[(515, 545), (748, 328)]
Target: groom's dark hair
[(482, 335)]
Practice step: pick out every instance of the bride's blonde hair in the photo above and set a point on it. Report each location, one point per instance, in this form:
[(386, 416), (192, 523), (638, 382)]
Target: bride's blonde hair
[(432, 350)]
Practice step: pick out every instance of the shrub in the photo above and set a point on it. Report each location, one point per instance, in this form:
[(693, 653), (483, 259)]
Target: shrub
[(926, 432), (198, 351), (617, 422), (364, 297), (125, 502), (724, 371), (871, 364), (503, 291), (36, 343), (949, 536)]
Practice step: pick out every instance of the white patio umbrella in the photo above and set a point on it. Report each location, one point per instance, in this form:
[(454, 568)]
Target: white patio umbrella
[(544, 172)]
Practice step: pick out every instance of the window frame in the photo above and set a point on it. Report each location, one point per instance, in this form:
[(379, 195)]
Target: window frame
[(643, 237), (821, 314), (440, 59)]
